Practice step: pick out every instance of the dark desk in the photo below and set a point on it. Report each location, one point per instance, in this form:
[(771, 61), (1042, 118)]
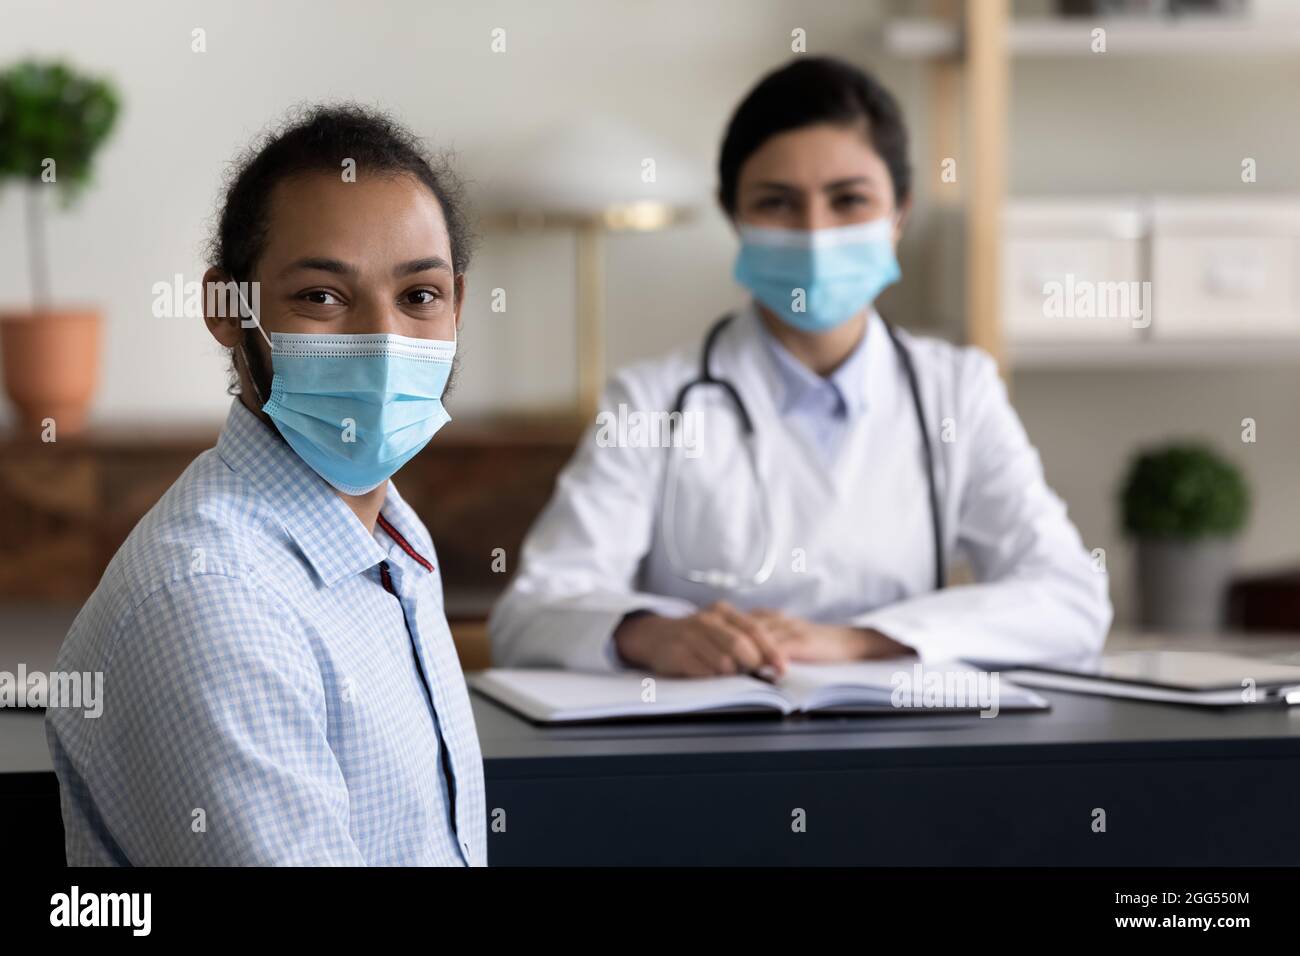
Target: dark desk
[(1180, 786)]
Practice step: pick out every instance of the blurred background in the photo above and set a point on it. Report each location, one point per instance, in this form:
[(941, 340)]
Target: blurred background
[(1087, 144)]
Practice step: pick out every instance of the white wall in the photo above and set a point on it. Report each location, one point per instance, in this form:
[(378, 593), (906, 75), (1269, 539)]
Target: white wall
[(675, 68)]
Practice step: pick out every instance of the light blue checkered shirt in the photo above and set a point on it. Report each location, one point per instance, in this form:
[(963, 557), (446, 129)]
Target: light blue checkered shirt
[(266, 699)]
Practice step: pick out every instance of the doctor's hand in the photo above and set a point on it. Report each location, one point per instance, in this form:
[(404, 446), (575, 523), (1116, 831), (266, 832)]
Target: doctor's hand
[(809, 641), (720, 639)]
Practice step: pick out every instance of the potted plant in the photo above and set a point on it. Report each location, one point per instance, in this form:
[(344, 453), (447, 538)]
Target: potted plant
[(1185, 505), (52, 122)]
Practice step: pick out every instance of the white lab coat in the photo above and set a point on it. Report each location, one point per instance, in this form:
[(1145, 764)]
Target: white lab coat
[(853, 542)]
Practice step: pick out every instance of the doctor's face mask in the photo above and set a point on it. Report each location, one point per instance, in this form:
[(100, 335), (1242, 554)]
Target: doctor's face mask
[(815, 280)]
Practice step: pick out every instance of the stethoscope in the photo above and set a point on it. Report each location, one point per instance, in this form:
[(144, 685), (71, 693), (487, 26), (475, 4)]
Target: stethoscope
[(729, 580)]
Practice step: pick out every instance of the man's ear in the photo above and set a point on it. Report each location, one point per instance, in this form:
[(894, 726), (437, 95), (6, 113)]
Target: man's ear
[(221, 308)]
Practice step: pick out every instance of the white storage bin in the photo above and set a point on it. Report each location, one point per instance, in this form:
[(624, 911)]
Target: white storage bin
[(1226, 268), (1072, 270)]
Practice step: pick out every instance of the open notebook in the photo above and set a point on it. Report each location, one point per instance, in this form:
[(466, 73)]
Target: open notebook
[(556, 696)]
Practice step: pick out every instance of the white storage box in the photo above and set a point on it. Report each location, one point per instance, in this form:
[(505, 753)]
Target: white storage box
[(1226, 268), (1072, 270)]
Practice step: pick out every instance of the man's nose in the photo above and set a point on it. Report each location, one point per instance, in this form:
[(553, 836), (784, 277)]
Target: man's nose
[(374, 315)]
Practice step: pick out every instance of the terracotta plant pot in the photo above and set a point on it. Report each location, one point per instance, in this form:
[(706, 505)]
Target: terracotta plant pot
[(51, 366)]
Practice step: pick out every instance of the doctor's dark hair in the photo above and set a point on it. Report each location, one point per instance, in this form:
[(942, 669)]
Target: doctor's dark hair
[(319, 138), (807, 91)]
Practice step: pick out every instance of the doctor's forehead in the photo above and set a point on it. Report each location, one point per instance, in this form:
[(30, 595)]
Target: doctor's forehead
[(815, 157), (375, 222)]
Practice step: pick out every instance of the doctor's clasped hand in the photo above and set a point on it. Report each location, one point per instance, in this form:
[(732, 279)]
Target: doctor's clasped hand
[(722, 639)]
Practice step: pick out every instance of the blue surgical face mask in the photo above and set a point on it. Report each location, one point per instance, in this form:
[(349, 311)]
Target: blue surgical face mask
[(817, 279), (357, 407)]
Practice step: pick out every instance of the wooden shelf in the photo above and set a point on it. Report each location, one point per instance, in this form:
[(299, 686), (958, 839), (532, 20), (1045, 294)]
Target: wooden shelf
[(557, 428), (66, 507), (1145, 355), (969, 49), (927, 38)]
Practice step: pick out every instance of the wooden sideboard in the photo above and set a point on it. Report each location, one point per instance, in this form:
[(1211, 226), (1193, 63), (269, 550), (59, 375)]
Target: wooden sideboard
[(67, 506)]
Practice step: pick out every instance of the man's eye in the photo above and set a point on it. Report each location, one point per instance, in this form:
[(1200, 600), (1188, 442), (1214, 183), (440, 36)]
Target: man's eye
[(850, 200), (771, 202), (320, 297), (424, 296)]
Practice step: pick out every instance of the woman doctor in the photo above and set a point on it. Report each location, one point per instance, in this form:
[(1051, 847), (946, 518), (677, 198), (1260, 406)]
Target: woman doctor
[(825, 467)]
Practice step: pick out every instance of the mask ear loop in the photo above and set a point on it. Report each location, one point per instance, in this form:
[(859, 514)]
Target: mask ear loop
[(257, 323)]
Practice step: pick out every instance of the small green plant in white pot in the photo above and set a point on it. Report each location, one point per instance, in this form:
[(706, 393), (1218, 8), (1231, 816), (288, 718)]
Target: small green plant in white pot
[(1185, 506)]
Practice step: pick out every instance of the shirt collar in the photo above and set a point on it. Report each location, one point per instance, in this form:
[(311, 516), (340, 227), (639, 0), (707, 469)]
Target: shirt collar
[(324, 528), (849, 381), (400, 524)]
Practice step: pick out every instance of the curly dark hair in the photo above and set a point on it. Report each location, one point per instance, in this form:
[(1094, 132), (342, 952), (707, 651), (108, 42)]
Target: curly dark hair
[(319, 137)]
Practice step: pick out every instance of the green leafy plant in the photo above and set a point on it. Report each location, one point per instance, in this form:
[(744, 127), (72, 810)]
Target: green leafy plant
[(1183, 491), (52, 122)]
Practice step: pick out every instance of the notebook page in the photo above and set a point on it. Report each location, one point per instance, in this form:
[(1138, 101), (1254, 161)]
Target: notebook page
[(555, 696), (902, 683), (807, 686)]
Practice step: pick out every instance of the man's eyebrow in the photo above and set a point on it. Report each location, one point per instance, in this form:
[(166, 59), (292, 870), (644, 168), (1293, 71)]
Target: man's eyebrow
[(421, 265), (320, 264), (338, 267)]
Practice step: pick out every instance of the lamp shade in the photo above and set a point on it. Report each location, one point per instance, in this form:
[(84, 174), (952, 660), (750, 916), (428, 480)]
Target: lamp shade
[(591, 167)]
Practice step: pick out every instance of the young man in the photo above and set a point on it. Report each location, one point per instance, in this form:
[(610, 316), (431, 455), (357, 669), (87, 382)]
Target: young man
[(281, 685)]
